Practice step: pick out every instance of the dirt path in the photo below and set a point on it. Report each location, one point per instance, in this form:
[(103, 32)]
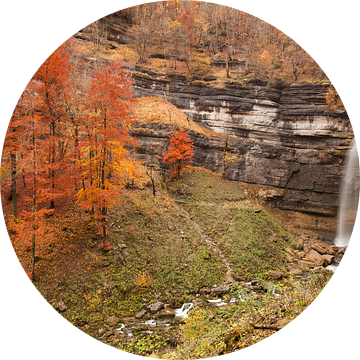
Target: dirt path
[(228, 277)]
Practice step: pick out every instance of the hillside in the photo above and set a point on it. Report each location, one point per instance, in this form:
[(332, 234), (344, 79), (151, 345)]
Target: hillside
[(200, 239)]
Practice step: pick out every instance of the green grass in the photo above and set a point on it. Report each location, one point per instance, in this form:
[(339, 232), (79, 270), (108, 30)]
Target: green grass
[(168, 241), (250, 237)]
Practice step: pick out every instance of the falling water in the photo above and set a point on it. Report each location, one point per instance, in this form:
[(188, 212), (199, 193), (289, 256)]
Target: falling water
[(349, 197)]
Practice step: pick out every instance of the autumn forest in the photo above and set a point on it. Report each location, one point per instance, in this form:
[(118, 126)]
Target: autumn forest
[(113, 234)]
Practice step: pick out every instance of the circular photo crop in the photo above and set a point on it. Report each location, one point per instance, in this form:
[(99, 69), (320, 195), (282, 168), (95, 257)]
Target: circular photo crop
[(180, 180)]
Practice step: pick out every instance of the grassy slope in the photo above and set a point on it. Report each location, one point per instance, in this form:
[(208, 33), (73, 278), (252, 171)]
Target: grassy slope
[(250, 238), (162, 243), (165, 256)]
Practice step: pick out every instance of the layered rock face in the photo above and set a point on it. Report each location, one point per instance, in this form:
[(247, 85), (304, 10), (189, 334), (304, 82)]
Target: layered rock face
[(284, 137)]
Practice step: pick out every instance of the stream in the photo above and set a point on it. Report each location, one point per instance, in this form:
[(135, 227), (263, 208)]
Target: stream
[(172, 318)]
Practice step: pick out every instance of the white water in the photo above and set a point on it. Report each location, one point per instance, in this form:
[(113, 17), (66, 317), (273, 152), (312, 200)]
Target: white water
[(182, 312), (349, 197)]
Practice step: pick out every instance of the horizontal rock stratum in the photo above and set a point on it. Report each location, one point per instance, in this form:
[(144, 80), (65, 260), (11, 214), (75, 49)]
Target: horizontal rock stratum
[(285, 136)]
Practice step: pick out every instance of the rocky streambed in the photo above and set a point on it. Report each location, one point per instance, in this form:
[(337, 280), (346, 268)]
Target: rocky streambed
[(160, 320)]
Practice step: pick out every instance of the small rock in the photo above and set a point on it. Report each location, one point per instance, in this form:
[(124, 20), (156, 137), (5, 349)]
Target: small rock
[(122, 246), (101, 331), (296, 272), (156, 306), (204, 291), (140, 314), (306, 248), (289, 258), (341, 251), (113, 320), (300, 254), (60, 306), (300, 244), (289, 251)]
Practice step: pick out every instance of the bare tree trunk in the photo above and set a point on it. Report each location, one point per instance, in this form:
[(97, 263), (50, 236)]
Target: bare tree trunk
[(13, 183), (33, 210)]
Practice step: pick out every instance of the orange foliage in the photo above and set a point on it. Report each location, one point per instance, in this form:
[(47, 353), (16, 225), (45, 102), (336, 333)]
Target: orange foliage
[(156, 110), (180, 153)]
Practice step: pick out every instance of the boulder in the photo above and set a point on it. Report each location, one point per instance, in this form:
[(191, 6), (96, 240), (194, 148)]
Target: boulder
[(315, 257), (319, 248), (328, 259), (332, 249), (303, 264), (156, 306)]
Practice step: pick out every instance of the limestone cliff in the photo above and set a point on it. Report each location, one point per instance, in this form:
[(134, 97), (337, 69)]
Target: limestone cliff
[(284, 136)]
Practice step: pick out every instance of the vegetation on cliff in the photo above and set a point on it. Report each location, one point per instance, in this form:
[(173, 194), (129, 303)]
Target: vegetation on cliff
[(203, 40)]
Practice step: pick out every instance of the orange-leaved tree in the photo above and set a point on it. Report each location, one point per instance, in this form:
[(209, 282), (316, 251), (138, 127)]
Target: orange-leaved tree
[(53, 87), (104, 158), (32, 136), (180, 153)]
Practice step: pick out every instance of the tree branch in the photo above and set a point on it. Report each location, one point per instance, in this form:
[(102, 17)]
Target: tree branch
[(266, 327)]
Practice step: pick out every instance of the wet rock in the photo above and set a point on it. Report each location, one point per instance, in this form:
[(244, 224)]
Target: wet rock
[(156, 306), (112, 320), (140, 314), (178, 321)]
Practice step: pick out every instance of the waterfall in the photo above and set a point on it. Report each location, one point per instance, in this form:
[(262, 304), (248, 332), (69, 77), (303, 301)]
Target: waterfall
[(349, 197)]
